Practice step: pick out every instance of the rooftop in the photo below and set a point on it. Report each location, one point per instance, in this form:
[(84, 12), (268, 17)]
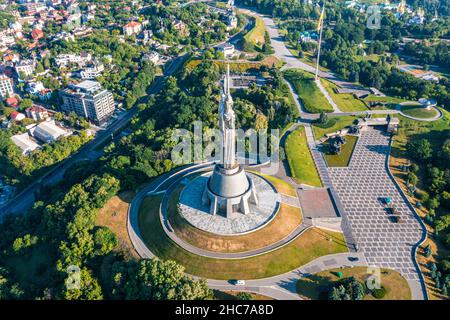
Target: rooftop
[(88, 86), (24, 142)]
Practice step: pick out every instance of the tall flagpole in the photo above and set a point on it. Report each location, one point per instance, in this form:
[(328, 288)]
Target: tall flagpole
[(320, 39)]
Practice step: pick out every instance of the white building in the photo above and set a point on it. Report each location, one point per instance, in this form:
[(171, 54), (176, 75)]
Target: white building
[(37, 113), (25, 66), (152, 57), (92, 72), (35, 87), (227, 49), (132, 28), (65, 59), (232, 22), (48, 132), (6, 86), (25, 143), (6, 39)]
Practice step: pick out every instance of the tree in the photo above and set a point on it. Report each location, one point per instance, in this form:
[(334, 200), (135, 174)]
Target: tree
[(412, 179), (323, 118), (25, 104), (105, 241), (443, 222), (87, 288), (420, 150), (156, 280)]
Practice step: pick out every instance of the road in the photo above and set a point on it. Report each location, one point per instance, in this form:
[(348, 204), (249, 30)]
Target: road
[(283, 53), (283, 286), (26, 198)]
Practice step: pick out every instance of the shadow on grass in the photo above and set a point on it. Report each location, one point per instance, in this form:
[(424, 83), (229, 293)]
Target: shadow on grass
[(314, 287), (328, 235)]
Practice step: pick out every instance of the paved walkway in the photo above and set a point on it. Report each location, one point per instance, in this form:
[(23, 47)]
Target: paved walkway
[(327, 183), (283, 286), (327, 96), (360, 187)]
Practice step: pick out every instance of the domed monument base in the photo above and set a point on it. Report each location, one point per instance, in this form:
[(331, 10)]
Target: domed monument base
[(195, 211), (228, 191)]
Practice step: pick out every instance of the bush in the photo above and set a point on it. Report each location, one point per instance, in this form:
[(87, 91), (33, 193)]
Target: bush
[(422, 196), (244, 296), (379, 293), (331, 122)]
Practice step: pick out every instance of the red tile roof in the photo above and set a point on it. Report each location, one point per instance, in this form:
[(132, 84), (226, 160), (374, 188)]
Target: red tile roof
[(37, 34), (12, 102)]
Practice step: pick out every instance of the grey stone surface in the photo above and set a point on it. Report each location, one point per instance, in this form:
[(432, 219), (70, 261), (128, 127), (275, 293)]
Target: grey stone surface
[(197, 214), (317, 203), (360, 187)]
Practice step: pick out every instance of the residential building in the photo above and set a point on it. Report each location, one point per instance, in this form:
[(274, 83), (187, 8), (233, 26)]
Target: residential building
[(27, 67), (131, 28), (92, 72), (37, 113), (6, 39), (37, 34), (37, 89), (232, 22), (12, 102), (88, 99), (181, 27), (25, 143), (227, 49), (308, 36), (152, 57), (65, 59), (17, 116), (48, 132), (6, 86)]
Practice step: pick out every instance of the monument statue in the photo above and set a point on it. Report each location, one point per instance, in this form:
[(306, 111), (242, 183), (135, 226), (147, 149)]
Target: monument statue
[(228, 189), (227, 119)]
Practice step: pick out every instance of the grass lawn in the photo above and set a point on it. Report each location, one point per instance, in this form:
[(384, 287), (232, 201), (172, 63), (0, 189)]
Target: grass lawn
[(334, 124), (392, 100), (345, 101), (300, 159), (281, 185), (370, 57), (256, 34), (435, 131), (231, 295), (414, 110), (315, 286), (313, 100), (310, 245), (342, 159), (114, 215)]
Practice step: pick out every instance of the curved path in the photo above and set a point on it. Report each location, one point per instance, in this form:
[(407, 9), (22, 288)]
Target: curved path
[(167, 185), (438, 115), (283, 286)]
